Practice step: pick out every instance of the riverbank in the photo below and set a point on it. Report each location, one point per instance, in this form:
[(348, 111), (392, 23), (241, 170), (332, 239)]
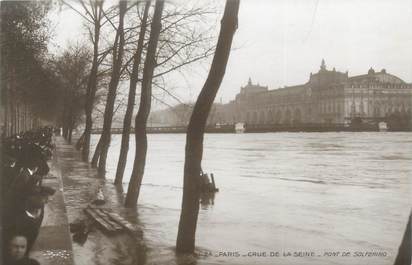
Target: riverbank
[(78, 186)]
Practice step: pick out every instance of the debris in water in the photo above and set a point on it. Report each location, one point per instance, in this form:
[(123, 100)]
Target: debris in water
[(99, 198)]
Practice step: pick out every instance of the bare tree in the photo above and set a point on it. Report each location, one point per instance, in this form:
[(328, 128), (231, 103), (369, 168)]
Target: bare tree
[(96, 16), (131, 98), (93, 14), (71, 69), (194, 138), (118, 50), (144, 108), (179, 44)]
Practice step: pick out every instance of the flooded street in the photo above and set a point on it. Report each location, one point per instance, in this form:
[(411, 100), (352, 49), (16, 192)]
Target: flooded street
[(80, 184), (280, 192)]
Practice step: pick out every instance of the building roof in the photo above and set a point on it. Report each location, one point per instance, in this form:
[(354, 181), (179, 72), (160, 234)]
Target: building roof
[(381, 77), (252, 88), (325, 78)]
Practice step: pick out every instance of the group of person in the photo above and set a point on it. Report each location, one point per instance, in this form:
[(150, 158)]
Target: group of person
[(24, 158)]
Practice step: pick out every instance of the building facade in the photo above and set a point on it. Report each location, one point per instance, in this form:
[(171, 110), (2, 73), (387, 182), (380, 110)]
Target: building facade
[(329, 97)]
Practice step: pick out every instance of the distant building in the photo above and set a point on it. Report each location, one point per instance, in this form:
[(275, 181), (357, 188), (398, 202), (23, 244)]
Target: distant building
[(328, 97)]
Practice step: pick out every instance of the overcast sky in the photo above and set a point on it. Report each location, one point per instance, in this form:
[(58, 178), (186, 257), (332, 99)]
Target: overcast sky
[(279, 42)]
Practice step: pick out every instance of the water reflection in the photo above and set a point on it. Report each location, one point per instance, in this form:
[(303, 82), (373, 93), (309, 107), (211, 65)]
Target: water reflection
[(186, 260), (207, 200)]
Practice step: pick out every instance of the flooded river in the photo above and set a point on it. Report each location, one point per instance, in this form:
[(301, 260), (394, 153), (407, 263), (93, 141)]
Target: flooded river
[(285, 198)]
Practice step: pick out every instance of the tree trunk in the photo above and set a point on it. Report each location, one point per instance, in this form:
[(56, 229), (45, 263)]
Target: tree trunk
[(121, 165), (404, 252), (194, 138), (70, 119), (79, 142), (12, 120), (111, 96), (92, 85), (4, 99), (69, 135), (12, 125), (6, 115), (87, 134), (144, 109), (96, 155), (98, 150), (23, 115), (17, 117), (64, 117), (13, 101)]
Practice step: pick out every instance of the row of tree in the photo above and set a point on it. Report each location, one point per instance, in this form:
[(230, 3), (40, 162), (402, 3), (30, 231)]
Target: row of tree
[(27, 80), (128, 44)]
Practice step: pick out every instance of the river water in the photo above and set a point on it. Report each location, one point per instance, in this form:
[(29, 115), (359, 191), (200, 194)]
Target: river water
[(285, 198)]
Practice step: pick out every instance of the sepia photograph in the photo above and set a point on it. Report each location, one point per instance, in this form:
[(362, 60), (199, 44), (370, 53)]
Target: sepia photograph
[(206, 132)]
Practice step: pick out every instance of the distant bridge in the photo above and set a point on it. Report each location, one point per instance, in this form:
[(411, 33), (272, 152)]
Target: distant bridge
[(260, 128), (172, 129)]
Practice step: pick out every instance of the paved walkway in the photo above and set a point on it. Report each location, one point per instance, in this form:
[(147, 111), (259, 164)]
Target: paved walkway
[(54, 245), (76, 185), (80, 184)]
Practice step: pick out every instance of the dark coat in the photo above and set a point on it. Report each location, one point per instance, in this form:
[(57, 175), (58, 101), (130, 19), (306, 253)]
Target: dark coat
[(29, 227)]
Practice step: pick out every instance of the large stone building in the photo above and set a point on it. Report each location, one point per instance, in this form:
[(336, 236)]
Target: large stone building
[(328, 97)]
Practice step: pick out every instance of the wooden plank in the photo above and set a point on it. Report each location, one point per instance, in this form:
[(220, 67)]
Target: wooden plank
[(99, 220), (123, 222), (105, 215), (213, 183), (101, 213), (117, 218)]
